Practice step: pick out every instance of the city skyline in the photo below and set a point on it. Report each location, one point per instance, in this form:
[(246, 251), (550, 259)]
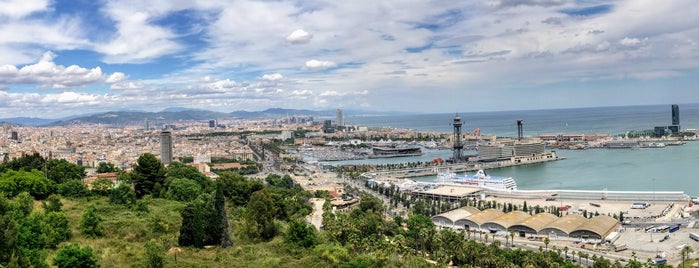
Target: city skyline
[(76, 57)]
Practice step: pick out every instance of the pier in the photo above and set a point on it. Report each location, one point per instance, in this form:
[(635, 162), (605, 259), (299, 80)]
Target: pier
[(591, 195), (460, 167)]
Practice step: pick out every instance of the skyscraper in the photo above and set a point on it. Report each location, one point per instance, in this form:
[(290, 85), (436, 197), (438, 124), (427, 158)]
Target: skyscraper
[(145, 124), (166, 147), (339, 118), (675, 115)]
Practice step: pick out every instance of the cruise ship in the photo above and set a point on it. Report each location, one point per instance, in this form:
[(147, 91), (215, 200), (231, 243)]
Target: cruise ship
[(480, 179)]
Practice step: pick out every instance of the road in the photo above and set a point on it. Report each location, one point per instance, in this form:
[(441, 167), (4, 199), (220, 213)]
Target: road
[(317, 214)]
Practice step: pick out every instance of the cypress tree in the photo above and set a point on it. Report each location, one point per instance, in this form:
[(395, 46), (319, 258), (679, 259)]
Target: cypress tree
[(188, 227)]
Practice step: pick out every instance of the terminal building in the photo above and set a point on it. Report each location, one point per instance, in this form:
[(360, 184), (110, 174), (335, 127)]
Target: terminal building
[(515, 151), (522, 224)]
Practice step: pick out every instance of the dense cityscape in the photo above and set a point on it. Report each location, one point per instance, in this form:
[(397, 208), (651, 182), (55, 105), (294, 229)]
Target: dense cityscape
[(188, 158), (393, 133)]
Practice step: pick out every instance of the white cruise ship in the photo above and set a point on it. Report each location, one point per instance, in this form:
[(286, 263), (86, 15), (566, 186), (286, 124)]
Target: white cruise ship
[(480, 179)]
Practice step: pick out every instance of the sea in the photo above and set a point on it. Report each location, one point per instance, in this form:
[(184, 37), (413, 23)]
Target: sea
[(672, 168)]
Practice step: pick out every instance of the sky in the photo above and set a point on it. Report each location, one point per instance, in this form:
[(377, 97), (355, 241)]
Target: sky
[(70, 57)]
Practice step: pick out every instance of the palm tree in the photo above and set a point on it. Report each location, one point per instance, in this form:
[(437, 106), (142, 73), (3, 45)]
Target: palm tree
[(580, 254), (565, 249), (546, 242), (512, 237), (686, 250), (486, 238)]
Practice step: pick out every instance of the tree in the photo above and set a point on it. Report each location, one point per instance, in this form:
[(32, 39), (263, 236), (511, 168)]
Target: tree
[(154, 254), (420, 232), (300, 234), (102, 187), (74, 256), (73, 188), (60, 171), (546, 242), (192, 230), (122, 195), (91, 223), (56, 228), (104, 167), (686, 250), (183, 171), (183, 190), (369, 203), (148, 175), (13, 182), (219, 219), (54, 203), (259, 216)]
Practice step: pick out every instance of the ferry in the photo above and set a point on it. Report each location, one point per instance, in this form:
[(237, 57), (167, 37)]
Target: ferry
[(480, 179)]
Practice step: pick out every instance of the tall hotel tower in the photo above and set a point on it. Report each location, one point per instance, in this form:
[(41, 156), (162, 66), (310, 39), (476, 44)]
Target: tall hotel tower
[(339, 118), (166, 147)]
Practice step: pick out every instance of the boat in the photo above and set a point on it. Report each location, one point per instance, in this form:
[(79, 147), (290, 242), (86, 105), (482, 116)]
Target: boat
[(395, 151), (480, 179)]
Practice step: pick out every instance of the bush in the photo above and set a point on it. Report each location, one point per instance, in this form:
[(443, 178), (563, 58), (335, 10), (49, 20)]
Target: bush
[(122, 195), (74, 256), (73, 188), (183, 190), (91, 223), (154, 254)]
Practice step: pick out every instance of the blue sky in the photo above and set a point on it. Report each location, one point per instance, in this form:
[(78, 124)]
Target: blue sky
[(71, 57)]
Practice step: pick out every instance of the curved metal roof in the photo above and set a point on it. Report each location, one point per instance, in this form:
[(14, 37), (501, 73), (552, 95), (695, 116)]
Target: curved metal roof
[(566, 224), (510, 219), (484, 216), (600, 225), (457, 214), (538, 221)]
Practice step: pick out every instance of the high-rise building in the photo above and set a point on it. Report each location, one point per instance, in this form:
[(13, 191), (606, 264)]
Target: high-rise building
[(14, 136), (339, 118), (212, 123), (145, 124), (166, 147), (675, 115)]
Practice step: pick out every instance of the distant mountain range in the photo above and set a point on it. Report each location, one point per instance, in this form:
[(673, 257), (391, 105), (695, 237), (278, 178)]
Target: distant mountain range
[(173, 114)]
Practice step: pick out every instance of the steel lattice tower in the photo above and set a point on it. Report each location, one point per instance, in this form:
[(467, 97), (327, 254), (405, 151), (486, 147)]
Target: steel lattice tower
[(458, 145)]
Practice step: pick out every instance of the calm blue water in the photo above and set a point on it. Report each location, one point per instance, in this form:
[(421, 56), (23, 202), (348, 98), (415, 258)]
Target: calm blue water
[(611, 120), (673, 168)]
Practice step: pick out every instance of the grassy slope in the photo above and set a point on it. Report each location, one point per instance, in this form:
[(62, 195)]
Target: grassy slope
[(127, 230)]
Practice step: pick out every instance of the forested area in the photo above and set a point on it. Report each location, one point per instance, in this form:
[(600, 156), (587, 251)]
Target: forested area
[(174, 216)]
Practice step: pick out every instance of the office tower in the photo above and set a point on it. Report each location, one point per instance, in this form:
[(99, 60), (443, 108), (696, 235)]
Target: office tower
[(675, 115), (212, 123), (145, 124), (339, 118), (166, 147), (14, 136)]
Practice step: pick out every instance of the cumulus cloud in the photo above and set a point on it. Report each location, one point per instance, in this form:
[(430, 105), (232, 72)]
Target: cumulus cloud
[(47, 73), (314, 65), (116, 77), (127, 85), (137, 39), (631, 42), (272, 77), (510, 3), (299, 37), (21, 8)]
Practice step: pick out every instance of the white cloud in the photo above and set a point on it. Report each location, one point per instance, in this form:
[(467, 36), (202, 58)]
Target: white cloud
[(21, 8), (631, 42), (47, 73), (137, 39), (128, 85), (318, 65), (116, 77), (272, 77), (299, 37)]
